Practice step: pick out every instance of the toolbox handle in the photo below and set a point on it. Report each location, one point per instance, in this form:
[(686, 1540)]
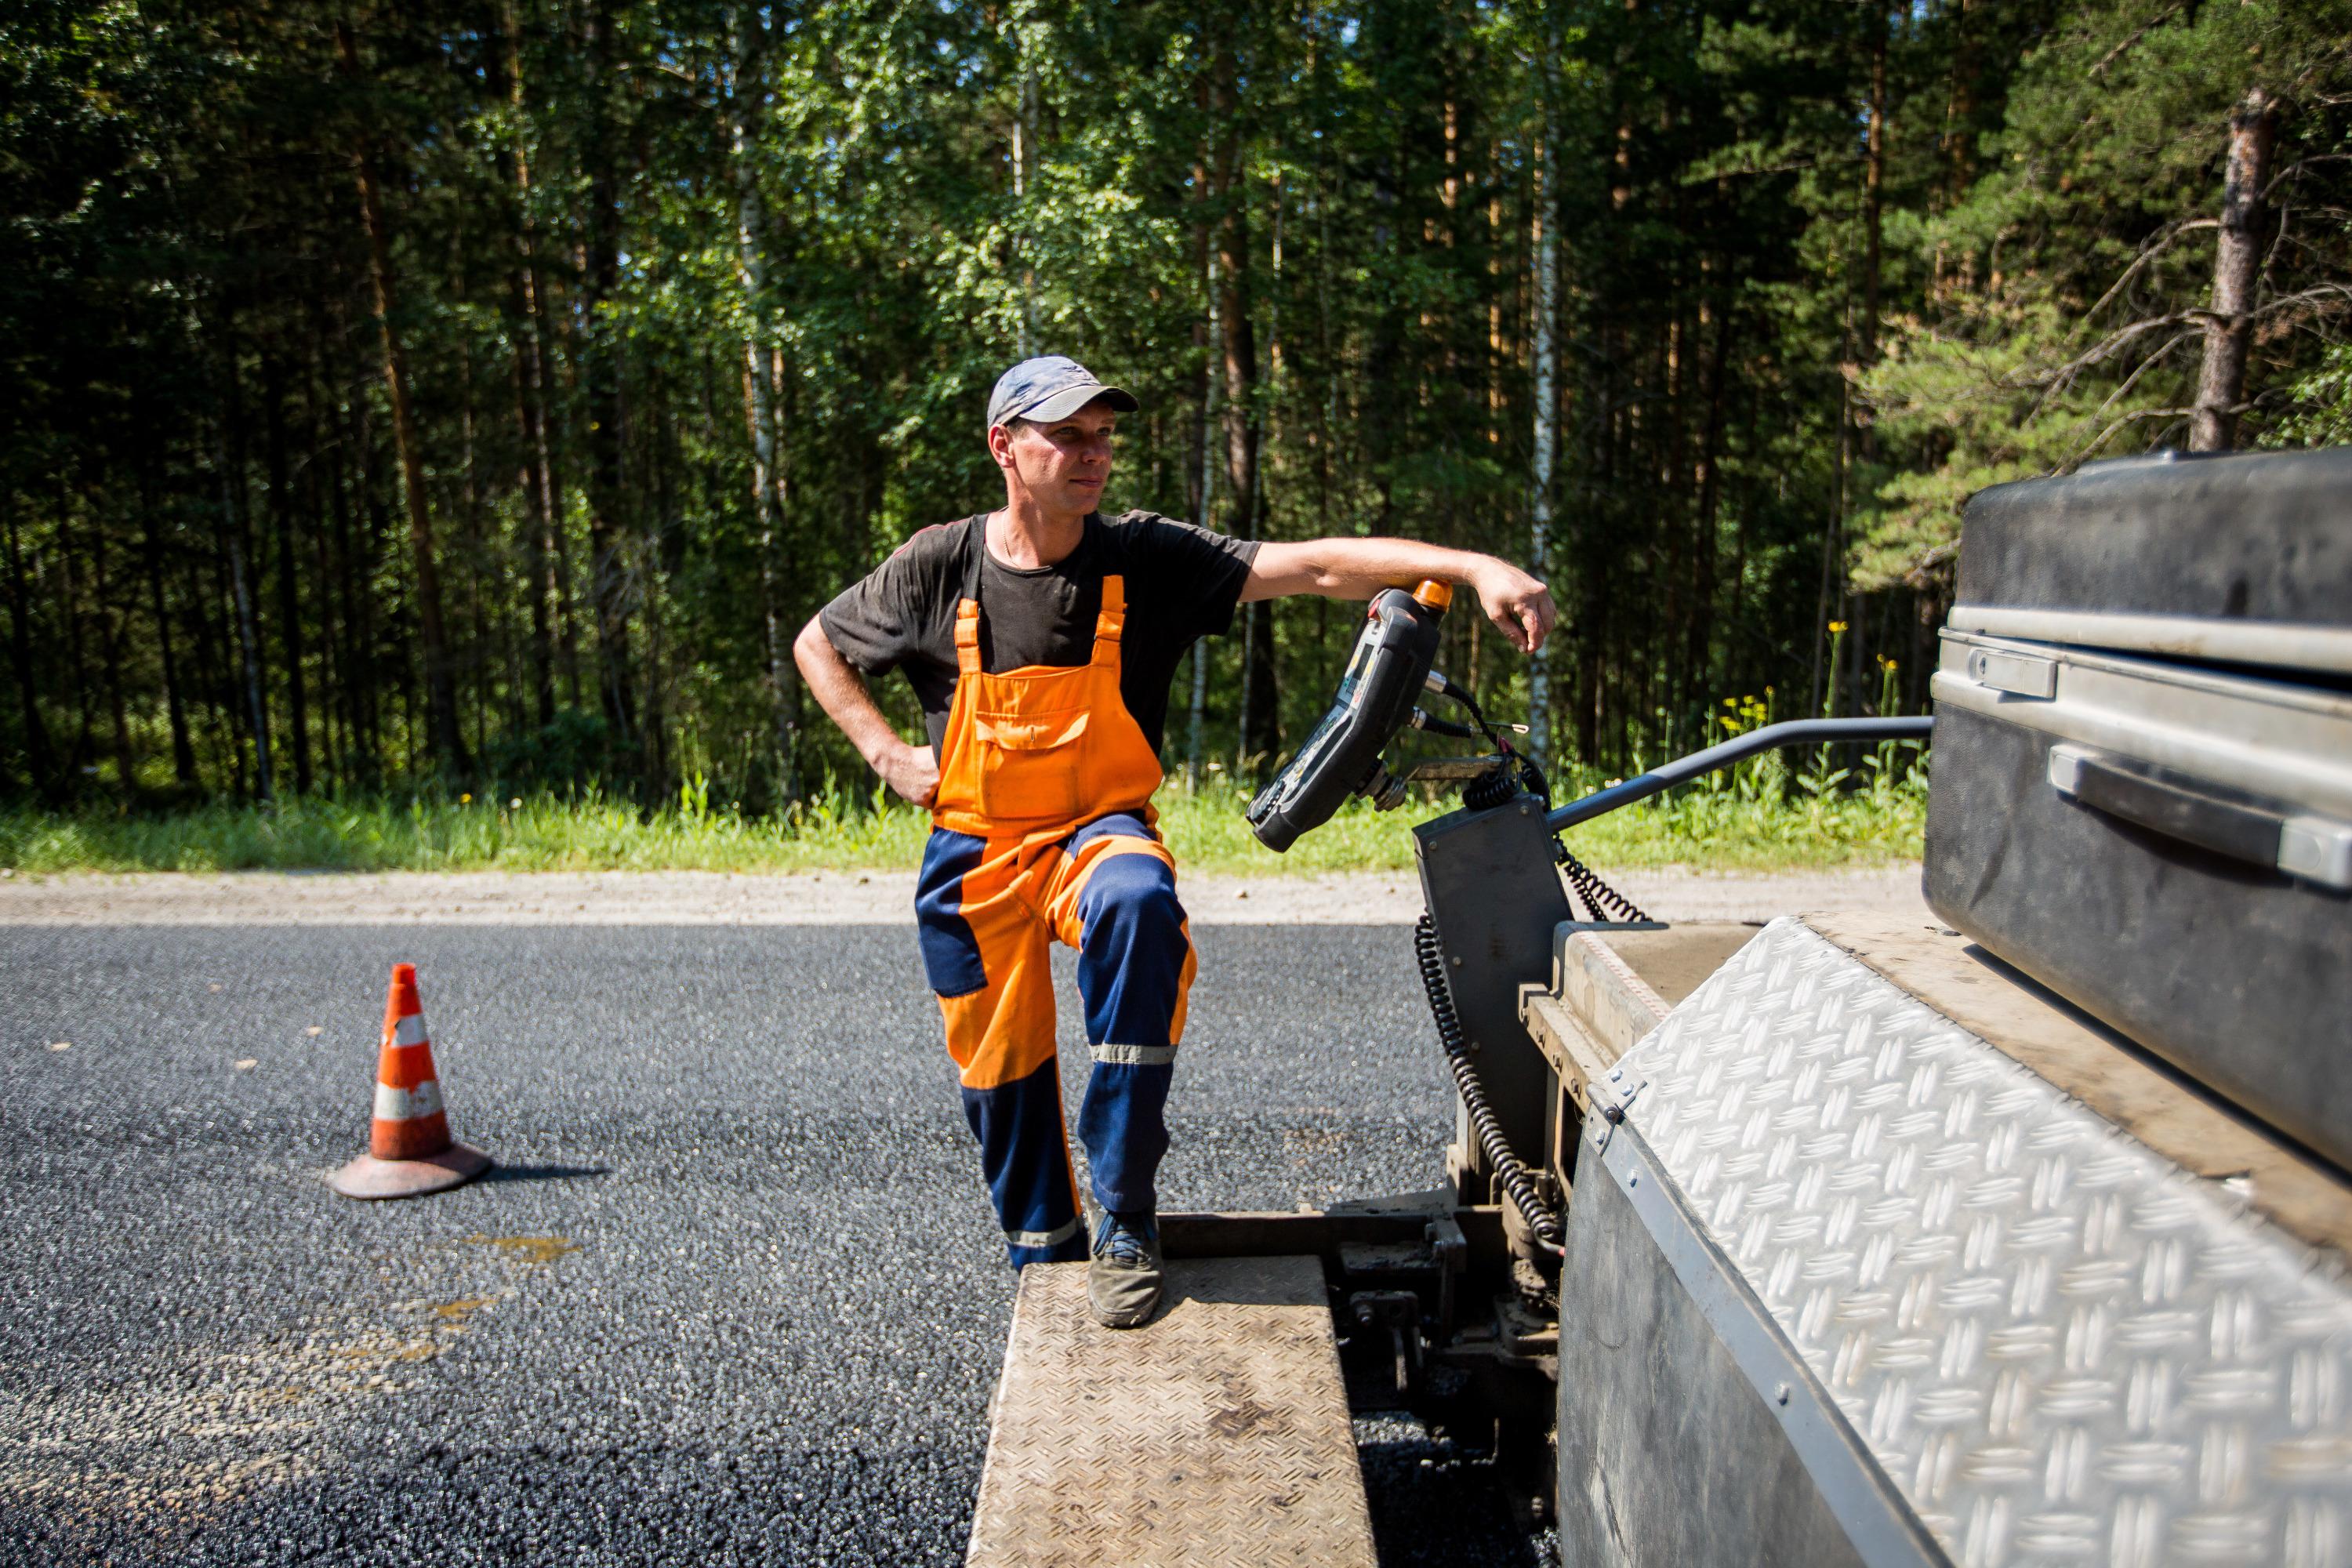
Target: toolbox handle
[(2313, 847)]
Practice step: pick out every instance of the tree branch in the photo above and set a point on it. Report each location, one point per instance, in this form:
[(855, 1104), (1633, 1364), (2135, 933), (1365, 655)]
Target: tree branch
[(2149, 251), (2145, 27)]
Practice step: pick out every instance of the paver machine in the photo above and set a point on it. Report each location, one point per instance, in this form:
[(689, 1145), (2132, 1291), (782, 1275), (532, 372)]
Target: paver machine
[(2017, 1234)]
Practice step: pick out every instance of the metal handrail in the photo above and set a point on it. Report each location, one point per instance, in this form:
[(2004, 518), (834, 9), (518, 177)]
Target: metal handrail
[(1795, 732)]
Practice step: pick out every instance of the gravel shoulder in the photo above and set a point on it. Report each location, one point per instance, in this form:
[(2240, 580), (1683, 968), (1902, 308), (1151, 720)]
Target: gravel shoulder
[(838, 898)]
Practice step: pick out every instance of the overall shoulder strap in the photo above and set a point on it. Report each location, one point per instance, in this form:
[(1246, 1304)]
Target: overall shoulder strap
[(1112, 621), (975, 550), (967, 624)]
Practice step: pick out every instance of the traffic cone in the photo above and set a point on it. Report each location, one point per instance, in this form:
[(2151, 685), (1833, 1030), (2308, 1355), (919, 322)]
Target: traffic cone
[(409, 1149)]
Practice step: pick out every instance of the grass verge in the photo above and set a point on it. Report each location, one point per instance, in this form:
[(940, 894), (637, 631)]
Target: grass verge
[(1759, 820)]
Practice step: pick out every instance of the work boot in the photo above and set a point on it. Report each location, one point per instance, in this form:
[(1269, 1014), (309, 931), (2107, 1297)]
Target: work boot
[(1124, 1280)]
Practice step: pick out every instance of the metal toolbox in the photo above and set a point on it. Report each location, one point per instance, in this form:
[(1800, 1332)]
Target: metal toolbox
[(2143, 775), (2232, 556), (1850, 1282)]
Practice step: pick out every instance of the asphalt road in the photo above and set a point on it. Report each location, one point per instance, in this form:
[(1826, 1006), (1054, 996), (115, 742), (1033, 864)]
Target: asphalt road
[(733, 1296)]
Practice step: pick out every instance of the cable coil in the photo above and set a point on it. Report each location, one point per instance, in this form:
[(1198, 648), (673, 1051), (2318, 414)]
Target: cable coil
[(1507, 1166), (1490, 790), (1605, 902)]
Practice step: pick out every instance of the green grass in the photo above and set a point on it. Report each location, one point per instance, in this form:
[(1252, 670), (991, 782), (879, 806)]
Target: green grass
[(1761, 818)]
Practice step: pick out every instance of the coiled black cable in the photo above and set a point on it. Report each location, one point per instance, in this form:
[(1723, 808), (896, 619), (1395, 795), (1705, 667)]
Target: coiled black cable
[(1520, 771), (1603, 902), (1466, 1082), (1488, 791)]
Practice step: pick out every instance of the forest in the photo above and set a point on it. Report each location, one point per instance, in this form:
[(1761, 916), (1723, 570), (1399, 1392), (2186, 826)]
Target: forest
[(480, 394)]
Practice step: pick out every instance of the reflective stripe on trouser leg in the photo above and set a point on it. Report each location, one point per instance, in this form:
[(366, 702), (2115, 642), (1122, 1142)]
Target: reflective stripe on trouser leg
[(1135, 969), (1027, 1162), (988, 955)]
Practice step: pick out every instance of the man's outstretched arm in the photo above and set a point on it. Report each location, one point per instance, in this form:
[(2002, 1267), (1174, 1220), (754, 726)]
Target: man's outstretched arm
[(912, 771), (1520, 607)]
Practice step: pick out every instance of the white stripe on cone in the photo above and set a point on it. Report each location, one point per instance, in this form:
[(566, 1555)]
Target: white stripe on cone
[(409, 1031), (407, 1104)]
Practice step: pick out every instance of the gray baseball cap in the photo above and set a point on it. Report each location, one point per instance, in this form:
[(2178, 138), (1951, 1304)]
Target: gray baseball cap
[(1051, 387)]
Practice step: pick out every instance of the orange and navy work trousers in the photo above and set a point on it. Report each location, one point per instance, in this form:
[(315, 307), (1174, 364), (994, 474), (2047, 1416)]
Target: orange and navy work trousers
[(988, 912)]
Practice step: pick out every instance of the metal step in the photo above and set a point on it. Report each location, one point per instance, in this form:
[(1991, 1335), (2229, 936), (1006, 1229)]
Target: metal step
[(1217, 1432)]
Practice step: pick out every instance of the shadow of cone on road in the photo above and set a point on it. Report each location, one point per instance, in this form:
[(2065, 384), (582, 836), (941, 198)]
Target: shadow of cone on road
[(410, 1151)]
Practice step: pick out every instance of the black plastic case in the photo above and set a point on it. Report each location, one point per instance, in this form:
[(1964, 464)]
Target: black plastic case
[(2143, 764)]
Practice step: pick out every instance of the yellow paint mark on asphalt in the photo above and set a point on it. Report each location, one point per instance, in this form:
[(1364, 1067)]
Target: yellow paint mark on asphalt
[(529, 1248), (458, 1311)]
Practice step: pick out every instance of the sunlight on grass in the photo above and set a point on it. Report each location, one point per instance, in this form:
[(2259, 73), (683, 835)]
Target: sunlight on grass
[(1761, 817)]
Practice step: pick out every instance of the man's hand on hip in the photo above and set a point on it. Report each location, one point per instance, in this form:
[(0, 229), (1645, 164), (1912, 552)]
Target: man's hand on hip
[(911, 772), (1520, 607)]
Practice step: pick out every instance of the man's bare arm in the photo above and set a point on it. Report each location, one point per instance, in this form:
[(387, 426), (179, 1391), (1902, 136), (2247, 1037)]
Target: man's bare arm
[(1520, 607), (912, 771)]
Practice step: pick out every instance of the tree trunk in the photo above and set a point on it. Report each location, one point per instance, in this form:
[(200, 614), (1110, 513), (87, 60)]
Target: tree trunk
[(1256, 739), (1544, 235), (1960, 141), (2237, 273), (607, 533), (1702, 625), (247, 642), (110, 636), (289, 612), (367, 524), (228, 464), (39, 754), (69, 564), (747, 101), (213, 677), (316, 502), (538, 511), (1208, 489), (1025, 180), (447, 746), (183, 751), (1873, 184), (541, 508)]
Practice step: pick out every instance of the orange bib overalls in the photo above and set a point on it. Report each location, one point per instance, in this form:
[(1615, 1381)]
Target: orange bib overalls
[(1042, 830)]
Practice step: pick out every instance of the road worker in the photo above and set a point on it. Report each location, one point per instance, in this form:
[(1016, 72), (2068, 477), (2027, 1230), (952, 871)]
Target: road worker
[(1041, 639)]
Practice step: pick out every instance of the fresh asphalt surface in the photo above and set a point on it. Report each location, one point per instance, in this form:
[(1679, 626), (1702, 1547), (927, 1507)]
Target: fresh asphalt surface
[(733, 1295)]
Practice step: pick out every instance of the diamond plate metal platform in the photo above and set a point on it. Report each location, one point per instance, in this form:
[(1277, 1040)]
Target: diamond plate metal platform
[(1218, 1433), (2052, 1343)]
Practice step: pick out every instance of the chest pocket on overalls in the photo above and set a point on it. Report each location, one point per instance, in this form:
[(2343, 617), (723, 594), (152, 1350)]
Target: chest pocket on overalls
[(1031, 764), (1043, 748)]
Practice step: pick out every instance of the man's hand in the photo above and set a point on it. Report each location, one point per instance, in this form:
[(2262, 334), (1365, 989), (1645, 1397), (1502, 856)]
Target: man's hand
[(1520, 607), (911, 772)]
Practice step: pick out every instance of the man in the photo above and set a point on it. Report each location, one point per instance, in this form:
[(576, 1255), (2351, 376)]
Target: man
[(1041, 639)]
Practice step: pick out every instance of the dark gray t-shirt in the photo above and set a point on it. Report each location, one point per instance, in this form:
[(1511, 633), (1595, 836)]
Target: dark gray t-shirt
[(1181, 584)]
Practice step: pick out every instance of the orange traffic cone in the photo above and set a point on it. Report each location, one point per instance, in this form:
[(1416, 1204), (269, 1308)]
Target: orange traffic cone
[(409, 1149)]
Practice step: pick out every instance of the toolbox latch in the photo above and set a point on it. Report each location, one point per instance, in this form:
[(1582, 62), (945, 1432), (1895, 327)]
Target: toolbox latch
[(2020, 674)]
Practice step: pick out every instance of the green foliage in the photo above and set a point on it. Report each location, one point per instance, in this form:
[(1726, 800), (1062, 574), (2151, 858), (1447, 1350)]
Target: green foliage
[(611, 226), (2060, 324), (1739, 825), (2320, 406)]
